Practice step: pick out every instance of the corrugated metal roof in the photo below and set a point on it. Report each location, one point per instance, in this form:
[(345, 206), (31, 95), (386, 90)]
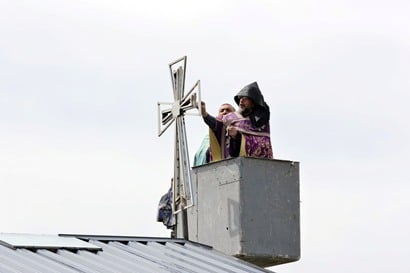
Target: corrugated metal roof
[(119, 254)]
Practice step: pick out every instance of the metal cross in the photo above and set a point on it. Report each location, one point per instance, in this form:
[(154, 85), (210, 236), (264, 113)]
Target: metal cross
[(182, 183)]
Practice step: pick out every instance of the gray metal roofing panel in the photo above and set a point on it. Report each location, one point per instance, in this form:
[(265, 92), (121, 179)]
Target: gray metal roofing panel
[(124, 255), (43, 241), (106, 262), (29, 260), (25, 262), (184, 258), (43, 264), (141, 250), (64, 261), (8, 269), (205, 260), (227, 260), (168, 258), (85, 261)]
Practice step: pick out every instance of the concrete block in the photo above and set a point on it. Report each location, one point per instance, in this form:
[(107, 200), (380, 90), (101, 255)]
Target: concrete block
[(248, 208)]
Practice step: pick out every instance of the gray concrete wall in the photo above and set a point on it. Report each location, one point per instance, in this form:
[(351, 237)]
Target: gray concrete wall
[(247, 207)]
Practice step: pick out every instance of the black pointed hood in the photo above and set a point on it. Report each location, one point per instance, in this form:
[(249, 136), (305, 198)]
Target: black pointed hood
[(261, 113), (253, 92)]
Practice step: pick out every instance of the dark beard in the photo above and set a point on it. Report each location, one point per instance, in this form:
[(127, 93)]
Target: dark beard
[(245, 111)]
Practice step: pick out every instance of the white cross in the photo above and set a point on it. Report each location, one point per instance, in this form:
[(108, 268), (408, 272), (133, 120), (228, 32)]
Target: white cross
[(182, 185)]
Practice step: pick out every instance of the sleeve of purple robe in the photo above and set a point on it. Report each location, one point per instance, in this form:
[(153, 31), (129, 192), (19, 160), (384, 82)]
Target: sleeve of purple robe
[(235, 145), (215, 125)]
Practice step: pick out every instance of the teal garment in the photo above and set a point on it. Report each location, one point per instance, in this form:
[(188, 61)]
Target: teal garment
[(200, 155)]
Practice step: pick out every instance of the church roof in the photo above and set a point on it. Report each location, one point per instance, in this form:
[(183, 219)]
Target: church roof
[(25, 253)]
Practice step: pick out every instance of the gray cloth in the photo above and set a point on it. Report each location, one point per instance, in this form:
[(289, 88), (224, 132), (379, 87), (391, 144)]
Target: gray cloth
[(165, 214)]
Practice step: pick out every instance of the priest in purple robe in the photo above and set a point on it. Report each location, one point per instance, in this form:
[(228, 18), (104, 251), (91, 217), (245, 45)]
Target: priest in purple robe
[(242, 133)]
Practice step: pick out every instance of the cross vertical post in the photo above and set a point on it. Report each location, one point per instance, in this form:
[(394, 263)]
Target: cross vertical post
[(175, 111)]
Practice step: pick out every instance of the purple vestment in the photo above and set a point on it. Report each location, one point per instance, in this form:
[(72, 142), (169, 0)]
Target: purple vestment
[(253, 141)]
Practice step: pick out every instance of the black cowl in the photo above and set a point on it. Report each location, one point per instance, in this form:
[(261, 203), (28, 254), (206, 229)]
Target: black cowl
[(261, 113)]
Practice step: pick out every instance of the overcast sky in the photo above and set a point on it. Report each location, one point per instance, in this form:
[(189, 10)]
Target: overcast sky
[(79, 83)]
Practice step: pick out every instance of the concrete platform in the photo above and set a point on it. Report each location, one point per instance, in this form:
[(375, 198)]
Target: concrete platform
[(248, 208)]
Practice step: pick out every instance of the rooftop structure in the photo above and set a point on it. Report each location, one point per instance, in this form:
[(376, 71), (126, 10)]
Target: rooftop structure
[(248, 208), (26, 253)]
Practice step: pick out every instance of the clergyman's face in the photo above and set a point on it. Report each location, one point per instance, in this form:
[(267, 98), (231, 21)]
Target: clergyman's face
[(225, 109), (246, 105)]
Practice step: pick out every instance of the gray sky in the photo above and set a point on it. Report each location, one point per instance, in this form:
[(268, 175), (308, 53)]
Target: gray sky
[(79, 83)]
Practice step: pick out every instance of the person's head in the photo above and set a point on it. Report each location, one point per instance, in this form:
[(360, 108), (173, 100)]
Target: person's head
[(225, 109), (249, 99), (246, 105)]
